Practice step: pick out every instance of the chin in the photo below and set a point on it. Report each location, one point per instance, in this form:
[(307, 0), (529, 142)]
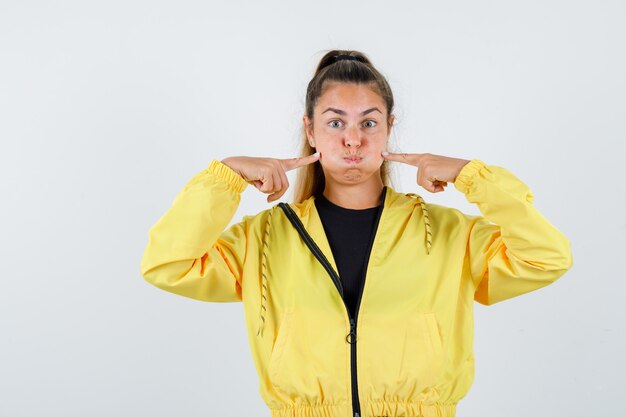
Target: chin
[(352, 172)]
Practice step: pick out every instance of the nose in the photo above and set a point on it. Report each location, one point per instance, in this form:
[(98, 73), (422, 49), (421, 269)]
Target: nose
[(353, 137)]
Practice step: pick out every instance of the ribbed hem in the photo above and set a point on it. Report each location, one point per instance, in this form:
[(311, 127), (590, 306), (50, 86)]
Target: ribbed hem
[(236, 181), (379, 408), (384, 408), (317, 410), (464, 180)]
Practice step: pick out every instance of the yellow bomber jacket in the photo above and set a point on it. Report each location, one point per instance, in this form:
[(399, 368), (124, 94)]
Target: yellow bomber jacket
[(409, 349)]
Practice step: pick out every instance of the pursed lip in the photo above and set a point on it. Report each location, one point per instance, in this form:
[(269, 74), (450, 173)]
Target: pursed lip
[(353, 158)]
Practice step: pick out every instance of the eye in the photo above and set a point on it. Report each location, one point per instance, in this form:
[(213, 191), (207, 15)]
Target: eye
[(373, 121), (333, 121)]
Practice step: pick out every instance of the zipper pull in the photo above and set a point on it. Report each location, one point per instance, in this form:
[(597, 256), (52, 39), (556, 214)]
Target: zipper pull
[(351, 337)]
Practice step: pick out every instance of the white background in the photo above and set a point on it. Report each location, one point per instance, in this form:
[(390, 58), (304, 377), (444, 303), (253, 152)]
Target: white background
[(108, 108)]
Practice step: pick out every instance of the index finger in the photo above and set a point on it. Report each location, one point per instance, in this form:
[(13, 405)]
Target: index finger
[(293, 163), (407, 158)]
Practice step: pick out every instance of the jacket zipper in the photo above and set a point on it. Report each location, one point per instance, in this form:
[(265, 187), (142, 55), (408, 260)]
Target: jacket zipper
[(352, 336), (355, 394)]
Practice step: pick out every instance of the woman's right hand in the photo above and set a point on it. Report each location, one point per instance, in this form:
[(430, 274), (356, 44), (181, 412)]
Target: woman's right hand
[(268, 174)]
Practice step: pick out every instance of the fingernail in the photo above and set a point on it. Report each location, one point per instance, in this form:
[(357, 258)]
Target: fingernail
[(385, 153), (317, 153)]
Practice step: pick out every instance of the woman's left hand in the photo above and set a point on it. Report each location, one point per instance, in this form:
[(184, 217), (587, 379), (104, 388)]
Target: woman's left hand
[(434, 171)]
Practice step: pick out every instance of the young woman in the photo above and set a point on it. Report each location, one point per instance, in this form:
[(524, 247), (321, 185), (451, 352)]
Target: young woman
[(358, 298)]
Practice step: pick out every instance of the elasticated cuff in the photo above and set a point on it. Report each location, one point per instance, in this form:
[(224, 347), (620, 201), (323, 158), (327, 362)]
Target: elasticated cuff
[(464, 179), (236, 181)]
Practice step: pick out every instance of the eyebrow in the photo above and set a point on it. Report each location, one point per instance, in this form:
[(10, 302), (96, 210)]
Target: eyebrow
[(343, 113)]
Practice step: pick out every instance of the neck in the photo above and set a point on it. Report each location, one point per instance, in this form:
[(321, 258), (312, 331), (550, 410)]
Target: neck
[(355, 196)]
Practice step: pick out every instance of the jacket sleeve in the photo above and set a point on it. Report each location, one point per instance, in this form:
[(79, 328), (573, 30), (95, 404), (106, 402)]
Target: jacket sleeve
[(522, 251), (188, 252)]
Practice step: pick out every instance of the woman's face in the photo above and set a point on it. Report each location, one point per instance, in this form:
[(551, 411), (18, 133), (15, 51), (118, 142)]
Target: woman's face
[(350, 130)]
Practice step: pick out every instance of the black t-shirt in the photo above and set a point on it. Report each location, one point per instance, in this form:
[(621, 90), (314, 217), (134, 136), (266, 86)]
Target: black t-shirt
[(350, 234)]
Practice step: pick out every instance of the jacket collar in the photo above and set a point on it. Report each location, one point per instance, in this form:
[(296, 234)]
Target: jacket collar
[(392, 201)]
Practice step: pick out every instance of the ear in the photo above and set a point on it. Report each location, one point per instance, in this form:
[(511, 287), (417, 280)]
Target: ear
[(392, 118), (309, 131)]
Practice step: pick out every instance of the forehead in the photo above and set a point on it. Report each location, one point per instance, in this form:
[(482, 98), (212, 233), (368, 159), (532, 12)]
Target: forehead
[(350, 97)]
